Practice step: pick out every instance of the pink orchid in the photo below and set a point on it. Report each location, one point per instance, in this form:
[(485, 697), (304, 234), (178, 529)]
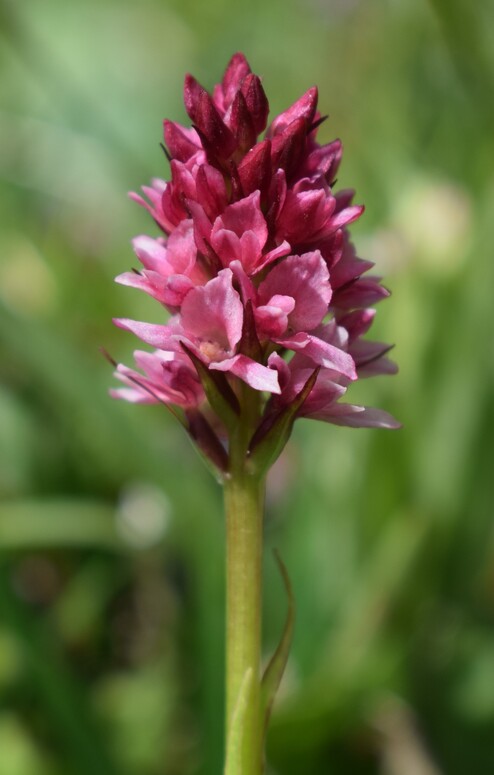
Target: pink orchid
[(323, 401), (256, 267), (210, 324), (154, 194), (171, 268), (168, 378)]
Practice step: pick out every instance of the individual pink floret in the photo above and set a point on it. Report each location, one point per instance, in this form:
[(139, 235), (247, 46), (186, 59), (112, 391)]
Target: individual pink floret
[(168, 378)]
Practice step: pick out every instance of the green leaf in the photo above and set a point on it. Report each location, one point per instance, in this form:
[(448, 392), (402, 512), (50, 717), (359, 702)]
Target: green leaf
[(276, 667)]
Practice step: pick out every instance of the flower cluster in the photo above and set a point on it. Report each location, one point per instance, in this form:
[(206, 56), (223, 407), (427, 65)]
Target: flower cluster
[(255, 267)]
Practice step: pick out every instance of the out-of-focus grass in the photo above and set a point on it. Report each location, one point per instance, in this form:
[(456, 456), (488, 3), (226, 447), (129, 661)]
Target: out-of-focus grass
[(111, 538)]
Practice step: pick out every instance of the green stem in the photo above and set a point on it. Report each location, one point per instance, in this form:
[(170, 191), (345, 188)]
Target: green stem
[(244, 509), (244, 505)]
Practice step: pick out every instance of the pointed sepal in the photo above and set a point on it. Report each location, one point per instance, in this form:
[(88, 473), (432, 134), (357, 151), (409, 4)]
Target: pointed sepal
[(249, 343), (274, 671), (270, 438), (220, 395), (207, 442)]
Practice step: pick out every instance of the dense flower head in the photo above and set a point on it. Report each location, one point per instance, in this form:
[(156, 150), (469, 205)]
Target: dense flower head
[(256, 269)]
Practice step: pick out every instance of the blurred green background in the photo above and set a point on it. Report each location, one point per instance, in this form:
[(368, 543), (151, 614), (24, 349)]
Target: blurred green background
[(111, 536)]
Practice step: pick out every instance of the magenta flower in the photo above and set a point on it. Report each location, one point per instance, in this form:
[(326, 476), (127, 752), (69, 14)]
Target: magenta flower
[(256, 267)]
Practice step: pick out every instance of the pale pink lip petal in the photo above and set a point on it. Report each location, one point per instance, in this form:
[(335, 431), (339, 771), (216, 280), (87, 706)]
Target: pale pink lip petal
[(151, 253), (150, 333), (214, 312), (254, 374), (322, 353), (132, 395)]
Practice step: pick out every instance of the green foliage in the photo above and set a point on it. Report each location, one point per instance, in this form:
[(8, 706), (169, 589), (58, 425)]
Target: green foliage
[(111, 543)]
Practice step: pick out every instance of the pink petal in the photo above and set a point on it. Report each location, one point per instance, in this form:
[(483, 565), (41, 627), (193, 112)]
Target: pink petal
[(358, 322), (214, 312), (346, 216), (361, 293), (181, 248), (162, 337), (152, 254), (133, 395), (355, 416), (304, 278), (272, 318), (273, 255), (322, 353), (250, 251), (305, 215), (275, 361), (254, 374), (247, 288), (244, 215), (227, 245)]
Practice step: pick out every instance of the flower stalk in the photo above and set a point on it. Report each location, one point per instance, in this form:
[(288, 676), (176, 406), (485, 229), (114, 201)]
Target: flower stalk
[(244, 499), (244, 509)]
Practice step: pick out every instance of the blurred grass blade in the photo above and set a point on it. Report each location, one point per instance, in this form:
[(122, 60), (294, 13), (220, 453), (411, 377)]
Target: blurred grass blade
[(57, 522), (60, 697)]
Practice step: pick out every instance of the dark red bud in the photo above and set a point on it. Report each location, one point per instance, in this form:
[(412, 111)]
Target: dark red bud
[(277, 195), (288, 147), (210, 188), (254, 170), (179, 145), (335, 152), (241, 124), (237, 188), (304, 108), (237, 69), (257, 102), (206, 118)]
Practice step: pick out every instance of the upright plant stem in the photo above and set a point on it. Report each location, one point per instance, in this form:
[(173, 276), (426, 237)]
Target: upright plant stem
[(244, 506)]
